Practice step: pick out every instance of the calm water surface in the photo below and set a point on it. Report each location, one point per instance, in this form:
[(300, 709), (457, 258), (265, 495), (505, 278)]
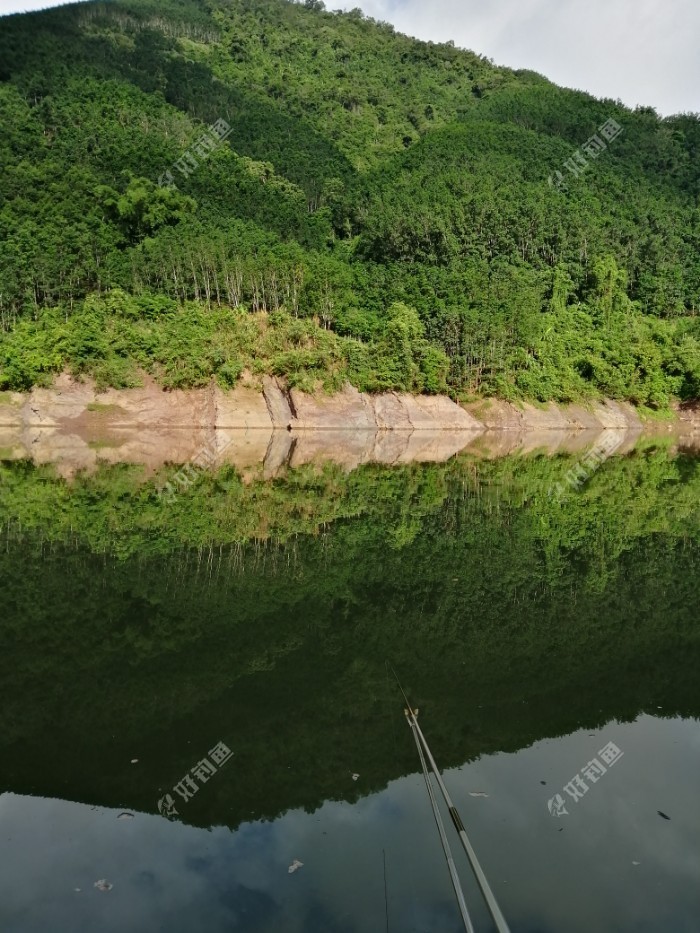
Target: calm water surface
[(141, 639)]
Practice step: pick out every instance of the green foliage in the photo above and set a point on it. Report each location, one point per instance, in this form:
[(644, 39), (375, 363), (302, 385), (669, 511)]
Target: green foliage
[(365, 172), (404, 359), (143, 207), (116, 337)]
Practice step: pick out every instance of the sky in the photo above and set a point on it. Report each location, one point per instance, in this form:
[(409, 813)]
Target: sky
[(640, 51), (616, 866)]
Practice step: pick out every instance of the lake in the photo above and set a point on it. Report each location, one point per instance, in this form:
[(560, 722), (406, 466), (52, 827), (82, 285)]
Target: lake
[(201, 729)]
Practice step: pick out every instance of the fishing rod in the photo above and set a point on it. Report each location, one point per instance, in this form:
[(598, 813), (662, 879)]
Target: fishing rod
[(443, 835), (491, 903)]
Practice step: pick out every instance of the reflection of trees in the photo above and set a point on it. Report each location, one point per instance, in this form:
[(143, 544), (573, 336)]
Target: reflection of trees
[(124, 619)]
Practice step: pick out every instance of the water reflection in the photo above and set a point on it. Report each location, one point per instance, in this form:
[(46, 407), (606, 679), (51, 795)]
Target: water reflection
[(614, 864), (530, 633)]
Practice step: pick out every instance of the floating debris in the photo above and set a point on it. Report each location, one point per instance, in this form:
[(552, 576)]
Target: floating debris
[(295, 866), (134, 761), (125, 816), (663, 815), (477, 793), (636, 863), (77, 890), (103, 885), (355, 777)]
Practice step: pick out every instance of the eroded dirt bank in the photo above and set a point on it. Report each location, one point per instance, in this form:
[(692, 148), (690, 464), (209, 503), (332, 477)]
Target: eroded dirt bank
[(74, 425)]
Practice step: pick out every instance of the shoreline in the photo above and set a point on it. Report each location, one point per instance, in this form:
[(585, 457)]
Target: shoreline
[(77, 428), (79, 406)]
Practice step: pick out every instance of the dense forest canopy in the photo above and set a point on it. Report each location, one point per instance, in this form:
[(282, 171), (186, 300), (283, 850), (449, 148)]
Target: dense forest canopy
[(201, 187)]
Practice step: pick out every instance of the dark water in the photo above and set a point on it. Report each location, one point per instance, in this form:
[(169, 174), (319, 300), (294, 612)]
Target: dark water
[(540, 637)]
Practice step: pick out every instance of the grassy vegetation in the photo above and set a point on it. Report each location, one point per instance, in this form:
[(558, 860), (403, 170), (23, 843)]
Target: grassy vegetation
[(189, 344)]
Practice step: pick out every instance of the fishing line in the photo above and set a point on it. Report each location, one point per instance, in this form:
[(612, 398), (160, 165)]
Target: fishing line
[(386, 898)]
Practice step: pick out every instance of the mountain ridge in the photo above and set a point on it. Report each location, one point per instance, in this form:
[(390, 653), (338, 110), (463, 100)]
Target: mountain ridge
[(385, 204)]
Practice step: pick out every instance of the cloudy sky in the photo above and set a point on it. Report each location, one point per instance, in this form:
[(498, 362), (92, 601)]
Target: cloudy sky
[(641, 51)]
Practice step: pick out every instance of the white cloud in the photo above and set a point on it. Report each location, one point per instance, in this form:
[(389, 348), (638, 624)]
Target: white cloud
[(641, 51), (26, 6)]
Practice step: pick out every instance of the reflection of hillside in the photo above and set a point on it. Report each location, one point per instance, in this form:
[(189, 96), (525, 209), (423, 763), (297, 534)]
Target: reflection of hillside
[(509, 617)]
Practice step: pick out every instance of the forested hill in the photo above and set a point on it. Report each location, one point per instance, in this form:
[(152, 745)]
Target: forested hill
[(198, 188)]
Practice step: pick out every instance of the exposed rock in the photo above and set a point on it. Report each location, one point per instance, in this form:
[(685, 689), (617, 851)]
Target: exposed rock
[(241, 408), (496, 415), (65, 400), (348, 410), (390, 413), (277, 402), (435, 412), (617, 415), (585, 419), (547, 418), (78, 427), (80, 407)]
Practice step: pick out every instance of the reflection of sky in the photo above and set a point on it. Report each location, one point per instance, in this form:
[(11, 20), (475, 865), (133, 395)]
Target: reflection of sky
[(570, 874)]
